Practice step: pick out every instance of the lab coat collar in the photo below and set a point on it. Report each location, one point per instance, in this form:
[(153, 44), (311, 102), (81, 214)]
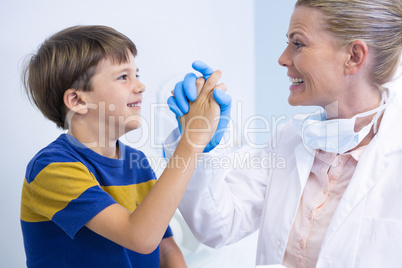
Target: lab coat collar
[(390, 131)]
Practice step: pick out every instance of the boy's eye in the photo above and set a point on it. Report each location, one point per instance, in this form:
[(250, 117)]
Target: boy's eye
[(123, 77), (137, 76)]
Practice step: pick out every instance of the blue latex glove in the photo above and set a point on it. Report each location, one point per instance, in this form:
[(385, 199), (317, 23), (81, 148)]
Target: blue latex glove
[(186, 91), (225, 102)]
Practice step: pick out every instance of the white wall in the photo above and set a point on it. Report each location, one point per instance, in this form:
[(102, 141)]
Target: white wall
[(271, 81), (169, 36)]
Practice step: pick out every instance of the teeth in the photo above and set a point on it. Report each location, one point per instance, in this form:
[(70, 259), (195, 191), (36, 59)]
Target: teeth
[(296, 81), (138, 104)]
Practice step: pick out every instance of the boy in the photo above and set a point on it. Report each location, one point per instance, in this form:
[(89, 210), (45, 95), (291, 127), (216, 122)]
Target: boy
[(84, 203)]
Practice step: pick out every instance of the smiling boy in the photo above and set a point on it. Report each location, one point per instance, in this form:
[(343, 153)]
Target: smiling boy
[(84, 204)]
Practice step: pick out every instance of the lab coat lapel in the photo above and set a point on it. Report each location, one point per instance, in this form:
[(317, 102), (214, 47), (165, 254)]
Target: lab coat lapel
[(304, 161)]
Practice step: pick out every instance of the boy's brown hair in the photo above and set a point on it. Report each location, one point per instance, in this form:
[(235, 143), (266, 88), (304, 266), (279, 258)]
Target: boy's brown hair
[(68, 59)]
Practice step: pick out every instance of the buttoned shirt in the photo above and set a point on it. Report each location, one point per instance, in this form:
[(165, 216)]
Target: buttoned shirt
[(327, 182)]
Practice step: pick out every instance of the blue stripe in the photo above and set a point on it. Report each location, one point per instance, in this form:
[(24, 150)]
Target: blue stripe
[(82, 209), (88, 249)]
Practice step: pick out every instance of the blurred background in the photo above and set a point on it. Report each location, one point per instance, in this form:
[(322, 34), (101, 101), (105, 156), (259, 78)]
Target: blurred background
[(243, 38)]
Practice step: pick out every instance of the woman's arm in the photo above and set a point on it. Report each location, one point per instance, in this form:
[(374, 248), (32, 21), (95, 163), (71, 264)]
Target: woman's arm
[(224, 199)]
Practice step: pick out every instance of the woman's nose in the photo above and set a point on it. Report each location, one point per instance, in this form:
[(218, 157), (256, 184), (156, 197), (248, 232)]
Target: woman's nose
[(284, 60)]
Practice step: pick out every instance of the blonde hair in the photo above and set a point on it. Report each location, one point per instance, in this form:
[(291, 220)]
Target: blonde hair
[(376, 22), (68, 59)]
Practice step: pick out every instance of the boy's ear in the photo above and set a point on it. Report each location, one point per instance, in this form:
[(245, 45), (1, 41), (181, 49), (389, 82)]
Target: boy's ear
[(356, 55), (75, 101)]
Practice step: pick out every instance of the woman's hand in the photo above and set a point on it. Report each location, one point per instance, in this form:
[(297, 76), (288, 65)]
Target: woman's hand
[(186, 91), (200, 123)]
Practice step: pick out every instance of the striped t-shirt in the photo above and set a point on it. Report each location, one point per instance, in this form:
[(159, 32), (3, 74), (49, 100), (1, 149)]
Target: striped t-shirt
[(66, 185)]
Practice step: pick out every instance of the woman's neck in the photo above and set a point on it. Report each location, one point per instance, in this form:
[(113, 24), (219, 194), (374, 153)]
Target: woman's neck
[(352, 104)]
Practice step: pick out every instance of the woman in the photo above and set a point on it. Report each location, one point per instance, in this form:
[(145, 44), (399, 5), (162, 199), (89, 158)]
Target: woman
[(337, 202)]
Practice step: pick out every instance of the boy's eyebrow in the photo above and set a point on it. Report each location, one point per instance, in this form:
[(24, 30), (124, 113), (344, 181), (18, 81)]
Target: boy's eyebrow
[(126, 69)]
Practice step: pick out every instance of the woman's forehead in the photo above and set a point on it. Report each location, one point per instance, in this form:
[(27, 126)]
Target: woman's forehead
[(306, 21)]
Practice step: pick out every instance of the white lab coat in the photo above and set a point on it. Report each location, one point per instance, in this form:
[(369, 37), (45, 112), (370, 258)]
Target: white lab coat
[(223, 205)]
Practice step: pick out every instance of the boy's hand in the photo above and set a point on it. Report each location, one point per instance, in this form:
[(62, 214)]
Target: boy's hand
[(186, 91), (201, 121)]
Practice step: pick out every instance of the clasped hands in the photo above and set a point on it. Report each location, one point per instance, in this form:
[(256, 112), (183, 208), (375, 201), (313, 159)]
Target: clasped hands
[(202, 107)]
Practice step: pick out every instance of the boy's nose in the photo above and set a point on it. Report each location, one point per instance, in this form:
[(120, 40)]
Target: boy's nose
[(139, 87)]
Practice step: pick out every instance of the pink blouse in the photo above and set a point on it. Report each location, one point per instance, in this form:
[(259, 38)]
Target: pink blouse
[(328, 180)]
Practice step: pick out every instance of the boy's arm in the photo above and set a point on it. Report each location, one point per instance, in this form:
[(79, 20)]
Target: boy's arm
[(170, 254), (142, 230)]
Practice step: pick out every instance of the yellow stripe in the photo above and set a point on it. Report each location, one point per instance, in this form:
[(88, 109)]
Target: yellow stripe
[(27, 213), (130, 196), (53, 189)]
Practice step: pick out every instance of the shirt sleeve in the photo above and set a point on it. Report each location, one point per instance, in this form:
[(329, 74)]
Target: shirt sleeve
[(168, 233), (224, 199), (67, 193)]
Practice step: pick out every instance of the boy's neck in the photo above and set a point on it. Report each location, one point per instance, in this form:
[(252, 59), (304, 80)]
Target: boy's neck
[(102, 145)]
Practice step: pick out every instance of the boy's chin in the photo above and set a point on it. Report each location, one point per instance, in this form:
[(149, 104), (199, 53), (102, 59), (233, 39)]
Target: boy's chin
[(132, 127)]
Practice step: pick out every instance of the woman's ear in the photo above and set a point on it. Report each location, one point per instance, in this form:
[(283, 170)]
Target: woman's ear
[(357, 53), (75, 101)]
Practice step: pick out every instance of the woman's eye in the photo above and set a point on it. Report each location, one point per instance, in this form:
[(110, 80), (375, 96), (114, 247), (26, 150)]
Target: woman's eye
[(297, 44), (123, 77)]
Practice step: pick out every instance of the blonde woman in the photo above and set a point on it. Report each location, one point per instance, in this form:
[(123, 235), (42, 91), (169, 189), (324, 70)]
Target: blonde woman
[(337, 200)]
